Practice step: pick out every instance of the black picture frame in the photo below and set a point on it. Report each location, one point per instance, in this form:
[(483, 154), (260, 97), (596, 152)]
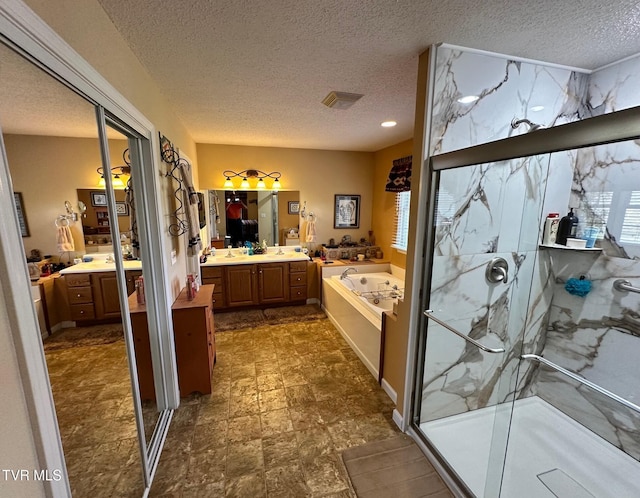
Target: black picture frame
[(98, 198), (122, 208), (22, 216), (294, 207), (346, 211)]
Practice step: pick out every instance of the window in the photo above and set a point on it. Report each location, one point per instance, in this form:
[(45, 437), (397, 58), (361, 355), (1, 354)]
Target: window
[(631, 223), (401, 236)]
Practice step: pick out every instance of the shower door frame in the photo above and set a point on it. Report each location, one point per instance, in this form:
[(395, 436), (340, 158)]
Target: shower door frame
[(608, 128)]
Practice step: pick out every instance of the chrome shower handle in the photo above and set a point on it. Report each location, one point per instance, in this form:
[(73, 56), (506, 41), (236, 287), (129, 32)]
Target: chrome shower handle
[(497, 271)]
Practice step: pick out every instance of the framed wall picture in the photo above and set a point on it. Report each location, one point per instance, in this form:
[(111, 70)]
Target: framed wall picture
[(98, 199), (346, 212), (22, 217), (294, 207), (122, 208)]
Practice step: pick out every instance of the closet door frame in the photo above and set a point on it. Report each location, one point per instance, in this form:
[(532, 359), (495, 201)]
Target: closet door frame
[(22, 30)]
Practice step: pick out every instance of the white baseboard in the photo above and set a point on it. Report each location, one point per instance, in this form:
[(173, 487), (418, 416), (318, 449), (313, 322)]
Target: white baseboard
[(397, 418), (389, 390)]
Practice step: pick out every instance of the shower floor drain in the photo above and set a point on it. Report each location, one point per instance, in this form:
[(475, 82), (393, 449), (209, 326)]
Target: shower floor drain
[(562, 485)]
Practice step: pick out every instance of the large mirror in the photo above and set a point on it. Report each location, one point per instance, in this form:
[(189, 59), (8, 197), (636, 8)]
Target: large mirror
[(53, 151), (235, 217)]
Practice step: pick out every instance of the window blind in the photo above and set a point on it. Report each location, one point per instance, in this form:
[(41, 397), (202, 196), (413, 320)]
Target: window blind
[(401, 224)]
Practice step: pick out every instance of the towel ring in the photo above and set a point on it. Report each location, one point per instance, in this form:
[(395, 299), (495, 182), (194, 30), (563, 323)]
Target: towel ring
[(62, 221), (311, 216)]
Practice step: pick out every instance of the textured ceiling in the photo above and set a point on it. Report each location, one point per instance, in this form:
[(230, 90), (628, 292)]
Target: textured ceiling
[(253, 72)]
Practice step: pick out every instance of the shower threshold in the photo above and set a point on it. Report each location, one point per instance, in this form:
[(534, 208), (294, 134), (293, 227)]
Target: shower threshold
[(542, 439)]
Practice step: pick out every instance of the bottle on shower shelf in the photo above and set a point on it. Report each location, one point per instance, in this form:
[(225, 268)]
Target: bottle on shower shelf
[(567, 228)]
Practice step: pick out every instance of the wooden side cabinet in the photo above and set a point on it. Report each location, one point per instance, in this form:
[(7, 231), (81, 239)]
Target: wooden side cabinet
[(195, 342), (142, 348)]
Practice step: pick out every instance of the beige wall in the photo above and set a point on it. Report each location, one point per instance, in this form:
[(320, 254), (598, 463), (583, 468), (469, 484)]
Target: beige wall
[(384, 203), (48, 171), (317, 174)]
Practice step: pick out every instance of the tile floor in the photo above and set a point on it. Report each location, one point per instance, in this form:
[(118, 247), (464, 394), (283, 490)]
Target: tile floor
[(287, 399)]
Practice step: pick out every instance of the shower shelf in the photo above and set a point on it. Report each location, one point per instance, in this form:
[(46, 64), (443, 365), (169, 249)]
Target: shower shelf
[(565, 248)]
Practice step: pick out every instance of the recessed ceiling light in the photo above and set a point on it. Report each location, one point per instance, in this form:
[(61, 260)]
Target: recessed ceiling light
[(388, 124), (468, 99), (537, 108)]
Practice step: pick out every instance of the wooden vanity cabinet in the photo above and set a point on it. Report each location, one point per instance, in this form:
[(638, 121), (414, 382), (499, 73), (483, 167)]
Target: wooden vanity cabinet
[(260, 284), (194, 339), (80, 297), (241, 288), (273, 283), (94, 296), (298, 281), (105, 295), (214, 275)]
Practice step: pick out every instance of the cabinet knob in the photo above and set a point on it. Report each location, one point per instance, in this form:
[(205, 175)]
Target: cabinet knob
[(79, 295), (82, 312), (298, 279)]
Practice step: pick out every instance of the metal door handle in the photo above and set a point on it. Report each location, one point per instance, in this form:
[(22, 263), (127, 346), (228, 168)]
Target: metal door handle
[(430, 316)]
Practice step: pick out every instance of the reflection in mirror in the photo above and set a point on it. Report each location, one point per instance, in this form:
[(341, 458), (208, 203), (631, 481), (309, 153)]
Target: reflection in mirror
[(239, 216), (606, 191), (52, 146)]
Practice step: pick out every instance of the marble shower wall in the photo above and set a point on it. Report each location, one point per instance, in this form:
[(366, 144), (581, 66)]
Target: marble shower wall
[(484, 211), (597, 336), (507, 89)]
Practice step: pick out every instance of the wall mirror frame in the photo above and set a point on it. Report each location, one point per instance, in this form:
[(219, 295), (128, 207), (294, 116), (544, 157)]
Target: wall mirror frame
[(25, 33)]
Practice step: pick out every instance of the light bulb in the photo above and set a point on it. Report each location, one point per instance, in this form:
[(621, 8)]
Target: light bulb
[(101, 182), (276, 184), (261, 184), (117, 182), (245, 183), (228, 183)]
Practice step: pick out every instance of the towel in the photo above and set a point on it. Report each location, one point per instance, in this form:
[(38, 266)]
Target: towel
[(65, 239), (311, 231), (191, 210)]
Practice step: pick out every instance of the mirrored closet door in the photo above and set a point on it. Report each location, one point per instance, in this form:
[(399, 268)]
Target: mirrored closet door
[(84, 265)]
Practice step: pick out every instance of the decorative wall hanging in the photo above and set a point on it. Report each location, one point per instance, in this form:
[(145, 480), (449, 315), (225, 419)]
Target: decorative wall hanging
[(346, 211), (22, 217), (186, 213), (399, 179)]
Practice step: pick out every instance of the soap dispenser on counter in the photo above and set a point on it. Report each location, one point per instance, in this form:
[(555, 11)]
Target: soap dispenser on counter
[(567, 228)]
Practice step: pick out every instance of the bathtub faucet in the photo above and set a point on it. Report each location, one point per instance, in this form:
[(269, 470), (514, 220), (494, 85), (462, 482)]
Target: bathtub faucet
[(347, 271)]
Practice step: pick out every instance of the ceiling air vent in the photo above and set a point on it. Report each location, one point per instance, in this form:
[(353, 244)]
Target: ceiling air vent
[(341, 100)]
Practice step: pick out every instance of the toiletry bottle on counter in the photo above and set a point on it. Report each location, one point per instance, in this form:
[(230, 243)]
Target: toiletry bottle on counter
[(140, 290), (550, 233), (567, 228)]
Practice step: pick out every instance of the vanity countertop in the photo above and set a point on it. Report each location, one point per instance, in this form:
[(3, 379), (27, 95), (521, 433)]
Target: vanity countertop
[(100, 266), (221, 259)]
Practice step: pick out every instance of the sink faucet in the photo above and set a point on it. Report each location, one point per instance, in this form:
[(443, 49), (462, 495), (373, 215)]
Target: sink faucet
[(110, 259), (351, 269), (229, 255)]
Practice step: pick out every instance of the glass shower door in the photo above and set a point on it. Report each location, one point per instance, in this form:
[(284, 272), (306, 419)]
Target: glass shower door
[(483, 237)]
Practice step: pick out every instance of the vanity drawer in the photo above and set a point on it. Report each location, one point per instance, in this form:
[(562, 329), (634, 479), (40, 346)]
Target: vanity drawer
[(211, 272), (298, 266), (82, 312), (297, 279), (78, 280), (298, 293), (80, 295)]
